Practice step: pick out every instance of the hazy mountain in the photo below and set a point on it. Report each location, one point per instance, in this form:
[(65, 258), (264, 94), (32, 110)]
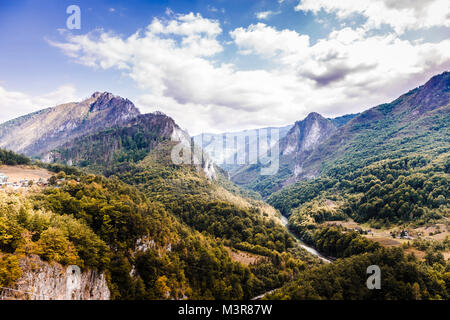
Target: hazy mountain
[(47, 129), (243, 142), (238, 142)]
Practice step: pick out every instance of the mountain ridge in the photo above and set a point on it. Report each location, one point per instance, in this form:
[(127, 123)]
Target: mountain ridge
[(41, 131)]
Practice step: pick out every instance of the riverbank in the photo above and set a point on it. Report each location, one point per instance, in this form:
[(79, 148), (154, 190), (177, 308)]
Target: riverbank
[(311, 250)]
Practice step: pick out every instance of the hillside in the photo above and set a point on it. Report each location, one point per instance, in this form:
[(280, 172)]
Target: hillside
[(387, 169), (129, 142), (143, 244), (415, 122)]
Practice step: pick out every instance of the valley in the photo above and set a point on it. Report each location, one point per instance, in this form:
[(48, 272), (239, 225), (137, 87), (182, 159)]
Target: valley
[(353, 191)]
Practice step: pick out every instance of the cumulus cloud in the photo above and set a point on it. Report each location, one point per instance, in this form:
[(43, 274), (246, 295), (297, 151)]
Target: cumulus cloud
[(401, 15), (347, 58), (175, 62), (15, 103), (268, 41)]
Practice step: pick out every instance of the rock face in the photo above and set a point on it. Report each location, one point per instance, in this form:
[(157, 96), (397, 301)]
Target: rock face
[(302, 139), (42, 131), (43, 281), (305, 135)]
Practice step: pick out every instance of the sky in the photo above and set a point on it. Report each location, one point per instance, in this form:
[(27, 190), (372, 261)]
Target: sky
[(222, 65)]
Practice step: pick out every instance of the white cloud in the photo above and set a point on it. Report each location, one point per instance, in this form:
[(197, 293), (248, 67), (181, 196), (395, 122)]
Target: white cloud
[(268, 41), (175, 62), (169, 12), (264, 15), (14, 104), (347, 58), (401, 15)]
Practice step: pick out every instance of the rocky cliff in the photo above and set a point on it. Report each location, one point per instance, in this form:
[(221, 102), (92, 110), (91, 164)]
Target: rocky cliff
[(51, 281)]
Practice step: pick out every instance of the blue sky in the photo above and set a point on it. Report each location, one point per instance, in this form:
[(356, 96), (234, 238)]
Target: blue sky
[(221, 65)]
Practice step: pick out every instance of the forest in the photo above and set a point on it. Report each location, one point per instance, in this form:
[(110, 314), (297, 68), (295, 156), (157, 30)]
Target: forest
[(147, 249), (10, 158), (404, 277), (408, 189)]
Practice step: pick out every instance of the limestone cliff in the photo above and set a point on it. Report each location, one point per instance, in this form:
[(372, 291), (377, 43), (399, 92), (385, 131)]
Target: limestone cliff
[(51, 281)]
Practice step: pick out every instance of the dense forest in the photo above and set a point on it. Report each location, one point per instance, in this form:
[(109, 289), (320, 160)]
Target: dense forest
[(403, 278), (204, 205), (407, 189)]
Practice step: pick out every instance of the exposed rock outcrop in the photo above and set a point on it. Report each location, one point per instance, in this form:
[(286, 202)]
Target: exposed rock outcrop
[(51, 281)]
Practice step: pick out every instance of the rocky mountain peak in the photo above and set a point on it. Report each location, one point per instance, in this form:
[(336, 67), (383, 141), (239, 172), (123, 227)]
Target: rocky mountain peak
[(307, 133), (313, 116), (43, 131), (107, 100)]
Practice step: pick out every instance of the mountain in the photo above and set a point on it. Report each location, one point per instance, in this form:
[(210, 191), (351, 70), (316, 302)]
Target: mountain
[(304, 136), (159, 221), (294, 148), (153, 228), (156, 229), (42, 131), (389, 164), (244, 142), (416, 121)]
